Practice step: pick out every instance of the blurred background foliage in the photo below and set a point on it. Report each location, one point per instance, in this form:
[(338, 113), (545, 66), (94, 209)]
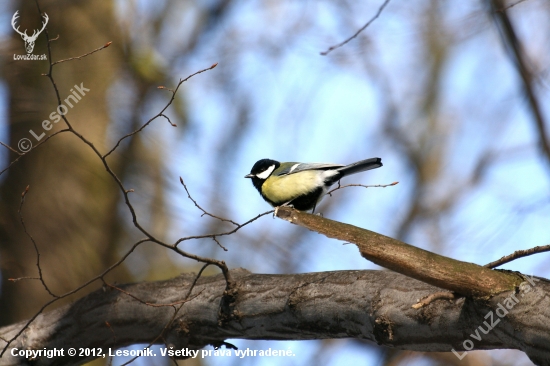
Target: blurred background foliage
[(431, 87)]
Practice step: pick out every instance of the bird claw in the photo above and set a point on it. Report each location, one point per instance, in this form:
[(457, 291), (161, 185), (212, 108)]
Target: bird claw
[(286, 204)]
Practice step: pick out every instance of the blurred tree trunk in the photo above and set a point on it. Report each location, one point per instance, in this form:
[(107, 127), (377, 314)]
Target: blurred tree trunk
[(71, 208)]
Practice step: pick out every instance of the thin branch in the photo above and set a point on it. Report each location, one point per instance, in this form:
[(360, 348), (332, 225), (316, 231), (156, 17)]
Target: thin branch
[(361, 185), (84, 55), (518, 254), (219, 244), (226, 232), (33, 148), (204, 212), (512, 43), (161, 113), (168, 119), (10, 148), (359, 31), (509, 6), (40, 276)]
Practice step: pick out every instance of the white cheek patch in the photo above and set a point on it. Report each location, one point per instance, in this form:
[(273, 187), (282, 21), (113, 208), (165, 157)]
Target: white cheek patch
[(265, 174)]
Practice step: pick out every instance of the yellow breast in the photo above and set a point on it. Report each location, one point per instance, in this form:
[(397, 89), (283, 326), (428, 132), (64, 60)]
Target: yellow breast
[(282, 189)]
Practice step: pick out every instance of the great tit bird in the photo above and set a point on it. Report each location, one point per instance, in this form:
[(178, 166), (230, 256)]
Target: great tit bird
[(301, 185)]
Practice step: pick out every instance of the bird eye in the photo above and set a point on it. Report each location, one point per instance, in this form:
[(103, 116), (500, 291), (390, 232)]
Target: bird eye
[(266, 173)]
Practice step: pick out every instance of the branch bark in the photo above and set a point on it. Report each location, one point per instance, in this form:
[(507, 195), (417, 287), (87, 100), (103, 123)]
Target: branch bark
[(372, 305), (461, 277)]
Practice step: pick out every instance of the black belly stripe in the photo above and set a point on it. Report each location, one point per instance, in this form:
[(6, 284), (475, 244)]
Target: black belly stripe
[(308, 201)]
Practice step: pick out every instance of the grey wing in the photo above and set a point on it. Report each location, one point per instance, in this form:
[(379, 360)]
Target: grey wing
[(300, 167)]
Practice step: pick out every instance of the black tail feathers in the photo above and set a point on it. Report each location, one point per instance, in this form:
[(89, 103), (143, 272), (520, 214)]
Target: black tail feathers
[(360, 166)]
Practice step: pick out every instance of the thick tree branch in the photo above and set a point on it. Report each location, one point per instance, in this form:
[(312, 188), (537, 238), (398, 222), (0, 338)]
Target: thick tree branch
[(461, 277), (372, 305)]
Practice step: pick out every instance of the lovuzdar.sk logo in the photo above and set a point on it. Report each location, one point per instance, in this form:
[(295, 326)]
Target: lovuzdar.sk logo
[(29, 40)]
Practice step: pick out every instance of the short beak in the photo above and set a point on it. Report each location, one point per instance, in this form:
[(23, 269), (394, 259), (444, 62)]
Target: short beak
[(249, 176)]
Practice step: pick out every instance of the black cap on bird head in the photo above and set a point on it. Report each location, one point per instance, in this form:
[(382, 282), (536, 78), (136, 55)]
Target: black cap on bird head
[(261, 171)]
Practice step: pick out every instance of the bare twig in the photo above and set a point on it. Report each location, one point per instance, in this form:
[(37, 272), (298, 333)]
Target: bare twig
[(361, 185), (518, 254), (239, 226), (359, 31), (161, 113), (10, 148), (168, 119), (509, 6), (84, 55), (511, 41), (204, 212), (219, 244), (33, 148), (40, 276)]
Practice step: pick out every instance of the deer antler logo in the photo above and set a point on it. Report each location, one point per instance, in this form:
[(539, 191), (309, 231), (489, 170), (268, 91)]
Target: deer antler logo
[(29, 41)]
